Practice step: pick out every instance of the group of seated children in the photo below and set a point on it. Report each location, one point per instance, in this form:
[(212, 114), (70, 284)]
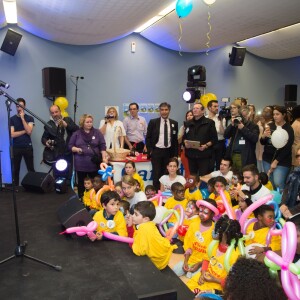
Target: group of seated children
[(206, 233)]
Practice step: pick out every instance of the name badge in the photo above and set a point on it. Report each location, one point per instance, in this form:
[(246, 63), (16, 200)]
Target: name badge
[(242, 142)]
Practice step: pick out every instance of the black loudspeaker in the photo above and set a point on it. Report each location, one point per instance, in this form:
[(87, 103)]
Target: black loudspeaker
[(11, 42), (54, 82), (236, 58), (73, 213), (38, 182), (290, 93)]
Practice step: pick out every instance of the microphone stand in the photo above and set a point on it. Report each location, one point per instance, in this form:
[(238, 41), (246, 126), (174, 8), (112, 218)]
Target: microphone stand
[(75, 103), (20, 248)]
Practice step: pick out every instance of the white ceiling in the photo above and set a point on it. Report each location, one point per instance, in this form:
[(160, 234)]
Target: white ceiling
[(90, 22)]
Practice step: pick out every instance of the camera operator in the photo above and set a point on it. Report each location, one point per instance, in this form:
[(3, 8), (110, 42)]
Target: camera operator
[(243, 135), (57, 136)]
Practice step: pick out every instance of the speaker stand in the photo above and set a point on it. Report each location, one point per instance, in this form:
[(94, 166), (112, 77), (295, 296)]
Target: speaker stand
[(20, 248)]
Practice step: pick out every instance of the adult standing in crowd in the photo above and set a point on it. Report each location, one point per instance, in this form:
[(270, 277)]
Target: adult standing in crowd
[(112, 129), (296, 128), (219, 148), (277, 162), (56, 137), (161, 142), (184, 160), (21, 126), (262, 121), (203, 130), (243, 135), (136, 129), (85, 143)]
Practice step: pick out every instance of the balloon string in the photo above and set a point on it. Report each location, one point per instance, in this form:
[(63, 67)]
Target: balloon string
[(208, 33), (180, 37)]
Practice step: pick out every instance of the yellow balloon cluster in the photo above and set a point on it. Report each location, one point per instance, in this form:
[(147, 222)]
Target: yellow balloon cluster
[(62, 103), (204, 99)]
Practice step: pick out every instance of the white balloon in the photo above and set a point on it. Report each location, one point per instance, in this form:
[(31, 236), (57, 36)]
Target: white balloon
[(279, 138), (160, 212), (209, 2), (249, 247)]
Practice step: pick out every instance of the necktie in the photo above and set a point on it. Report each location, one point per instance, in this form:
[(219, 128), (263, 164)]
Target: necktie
[(166, 134)]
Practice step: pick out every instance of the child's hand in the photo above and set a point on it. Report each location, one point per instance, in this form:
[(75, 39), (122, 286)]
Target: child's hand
[(99, 235), (128, 219), (194, 267), (185, 267), (210, 278), (201, 279), (256, 250)]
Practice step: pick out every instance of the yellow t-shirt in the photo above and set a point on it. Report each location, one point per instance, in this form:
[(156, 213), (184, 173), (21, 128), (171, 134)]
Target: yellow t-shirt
[(260, 237), (216, 267), (269, 186), (219, 198), (119, 225), (137, 177), (197, 241), (195, 195), (148, 241), (86, 198), (171, 203)]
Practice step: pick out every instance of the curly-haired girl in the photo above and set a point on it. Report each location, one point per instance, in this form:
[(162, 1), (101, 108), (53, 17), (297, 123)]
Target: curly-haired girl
[(213, 272)]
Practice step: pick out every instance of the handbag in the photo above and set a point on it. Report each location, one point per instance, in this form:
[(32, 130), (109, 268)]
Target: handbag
[(96, 158), (49, 156)]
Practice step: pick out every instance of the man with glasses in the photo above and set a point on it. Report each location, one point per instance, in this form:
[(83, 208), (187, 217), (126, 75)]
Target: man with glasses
[(21, 128), (136, 129), (243, 135)]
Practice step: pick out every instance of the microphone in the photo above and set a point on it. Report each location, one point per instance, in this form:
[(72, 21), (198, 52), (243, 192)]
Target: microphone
[(4, 84), (77, 77)]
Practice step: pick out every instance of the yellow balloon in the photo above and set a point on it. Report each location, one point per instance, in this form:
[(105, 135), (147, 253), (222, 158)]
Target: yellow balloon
[(61, 102), (211, 96), (204, 99), (64, 113)]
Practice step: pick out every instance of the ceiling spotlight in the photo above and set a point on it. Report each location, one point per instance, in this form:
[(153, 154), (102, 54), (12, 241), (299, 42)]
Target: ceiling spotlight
[(190, 95), (10, 11)]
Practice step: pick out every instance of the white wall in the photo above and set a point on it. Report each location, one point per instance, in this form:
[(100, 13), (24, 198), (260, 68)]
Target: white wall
[(114, 75)]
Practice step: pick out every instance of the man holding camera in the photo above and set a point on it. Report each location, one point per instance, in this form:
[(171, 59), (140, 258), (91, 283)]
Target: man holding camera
[(243, 135), (56, 137)]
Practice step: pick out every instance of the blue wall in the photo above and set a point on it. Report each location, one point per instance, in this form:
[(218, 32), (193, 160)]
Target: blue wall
[(114, 75)]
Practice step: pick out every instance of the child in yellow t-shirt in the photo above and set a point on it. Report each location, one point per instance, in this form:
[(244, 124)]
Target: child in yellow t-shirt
[(147, 239), (88, 185), (177, 190), (259, 232), (264, 180), (220, 183), (213, 272), (110, 218), (192, 191), (244, 201), (197, 239), (95, 195), (130, 169)]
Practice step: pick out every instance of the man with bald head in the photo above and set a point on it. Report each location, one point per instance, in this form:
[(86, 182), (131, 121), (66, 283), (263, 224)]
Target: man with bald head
[(56, 136)]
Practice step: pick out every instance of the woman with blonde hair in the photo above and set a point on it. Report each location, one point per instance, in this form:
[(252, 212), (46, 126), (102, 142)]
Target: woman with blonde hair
[(112, 129), (86, 144)]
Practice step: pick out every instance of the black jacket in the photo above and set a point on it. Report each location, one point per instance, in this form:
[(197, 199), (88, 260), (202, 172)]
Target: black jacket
[(204, 131), (153, 135), (283, 155), (250, 133)]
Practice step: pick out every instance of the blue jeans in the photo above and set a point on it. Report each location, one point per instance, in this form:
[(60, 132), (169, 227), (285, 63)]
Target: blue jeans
[(278, 176)]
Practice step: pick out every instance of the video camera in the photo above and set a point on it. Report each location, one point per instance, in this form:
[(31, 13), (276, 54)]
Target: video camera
[(224, 112), (109, 117)]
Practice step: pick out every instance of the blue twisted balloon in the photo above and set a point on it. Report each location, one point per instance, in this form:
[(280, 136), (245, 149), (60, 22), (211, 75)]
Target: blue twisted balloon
[(106, 173)]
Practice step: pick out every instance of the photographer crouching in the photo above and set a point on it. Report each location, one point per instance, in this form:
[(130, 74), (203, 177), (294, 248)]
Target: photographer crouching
[(243, 135), (56, 138)]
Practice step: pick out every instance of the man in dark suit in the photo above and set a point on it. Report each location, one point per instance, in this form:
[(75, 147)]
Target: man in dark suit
[(161, 142)]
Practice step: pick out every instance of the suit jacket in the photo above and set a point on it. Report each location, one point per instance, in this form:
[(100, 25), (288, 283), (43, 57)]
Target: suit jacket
[(153, 135)]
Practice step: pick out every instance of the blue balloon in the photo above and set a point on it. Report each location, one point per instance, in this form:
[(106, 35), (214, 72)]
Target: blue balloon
[(184, 8), (276, 196)]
